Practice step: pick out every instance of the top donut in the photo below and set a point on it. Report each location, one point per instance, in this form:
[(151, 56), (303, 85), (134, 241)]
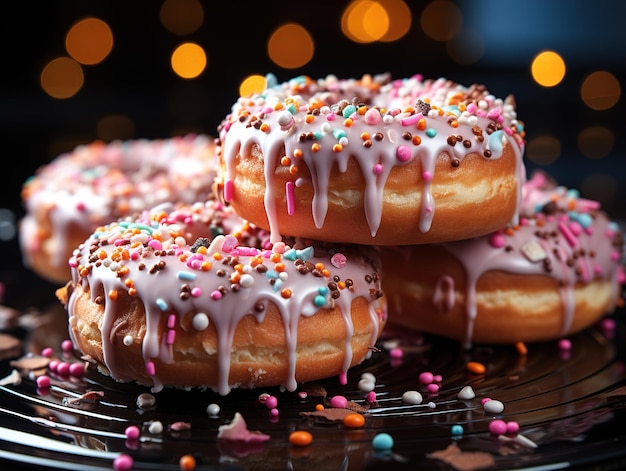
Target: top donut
[(374, 160)]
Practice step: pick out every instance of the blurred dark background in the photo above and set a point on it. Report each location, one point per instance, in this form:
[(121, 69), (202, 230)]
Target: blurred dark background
[(135, 90)]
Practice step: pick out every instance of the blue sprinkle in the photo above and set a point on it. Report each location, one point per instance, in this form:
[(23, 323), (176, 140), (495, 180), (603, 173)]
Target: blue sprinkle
[(319, 300), (495, 144), (339, 133), (271, 274), (348, 111), (457, 429), (290, 255), (317, 135), (306, 253), (186, 276), (585, 220), (277, 284), (323, 290), (382, 441), (161, 304), (292, 108), (430, 132)]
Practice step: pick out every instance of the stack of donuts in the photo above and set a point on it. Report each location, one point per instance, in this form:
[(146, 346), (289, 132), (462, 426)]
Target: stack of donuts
[(337, 207)]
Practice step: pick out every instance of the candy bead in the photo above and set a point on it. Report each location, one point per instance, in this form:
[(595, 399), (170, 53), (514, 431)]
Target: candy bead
[(187, 463), (123, 462), (300, 438), (339, 401), (412, 397), (497, 427), (382, 441), (354, 420)]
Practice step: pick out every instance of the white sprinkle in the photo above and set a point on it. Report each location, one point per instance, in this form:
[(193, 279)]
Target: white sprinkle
[(200, 321), (412, 397), (366, 385), (466, 393), (155, 427), (493, 407), (213, 409), (128, 340)]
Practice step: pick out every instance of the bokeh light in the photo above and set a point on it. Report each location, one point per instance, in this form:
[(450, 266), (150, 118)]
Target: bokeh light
[(181, 17), (596, 142), (290, 46), (548, 68), (89, 41), (188, 60), (400, 19), (600, 90), (543, 150), (364, 21), (62, 78), (441, 20), (252, 84)]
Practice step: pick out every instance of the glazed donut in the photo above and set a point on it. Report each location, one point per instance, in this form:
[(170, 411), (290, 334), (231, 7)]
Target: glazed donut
[(100, 182), (556, 273), (372, 161), (154, 301)]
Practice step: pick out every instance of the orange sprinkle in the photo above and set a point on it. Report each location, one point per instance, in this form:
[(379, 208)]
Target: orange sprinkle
[(348, 122), (239, 267), (278, 106), (275, 257), (354, 420), (300, 438), (279, 267), (286, 293), (285, 161), (235, 277), (309, 118), (315, 147), (187, 463), (113, 295), (476, 367), (319, 406), (337, 148), (417, 140), (102, 254), (509, 231), (326, 272), (206, 266), (297, 153), (454, 123), (361, 110), (341, 284), (293, 169), (132, 292), (365, 136), (421, 124), (319, 266), (521, 348), (217, 256), (202, 249)]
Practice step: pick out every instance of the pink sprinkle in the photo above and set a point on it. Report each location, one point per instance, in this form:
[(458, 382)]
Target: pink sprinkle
[(497, 240), (512, 427), (426, 377), (47, 352), (437, 378), (403, 153), (498, 427), (485, 399), (171, 336), (568, 234), (67, 345), (291, 198), (171, 321), (410, 120), (396, 352), (372, 116), (330, 117), (196, 292), (338, 260), (432, 388), (339, 402), (271, 402), (377, 169), (77, 370), (63, 369), (608, 324), (132, 432), (427, 176), (565, 344), (123, 462), (150, 369), (53, 365), (155, 244), (228, 190), (575, 227), (274, 412), (81, 206), (43, 382), (216, 295), (371, 397), (230, 243), (302, 394)]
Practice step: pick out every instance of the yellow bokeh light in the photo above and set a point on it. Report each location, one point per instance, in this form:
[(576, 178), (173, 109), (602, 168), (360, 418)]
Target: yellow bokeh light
[(290, 46), (181, 16), (548, 69), (62, 78), (543, 150), (252, 84), (400, 19), (365, 21), (596, 142), (600, 90), (188, 60), (441, 20), (89, 41)]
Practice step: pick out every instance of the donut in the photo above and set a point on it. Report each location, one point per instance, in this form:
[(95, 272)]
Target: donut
[(372, 160), (170, 298), (66, 199), (556, 273)]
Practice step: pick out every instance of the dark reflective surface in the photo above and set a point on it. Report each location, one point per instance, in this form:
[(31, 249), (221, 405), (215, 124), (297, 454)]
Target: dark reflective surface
[(570, 406)]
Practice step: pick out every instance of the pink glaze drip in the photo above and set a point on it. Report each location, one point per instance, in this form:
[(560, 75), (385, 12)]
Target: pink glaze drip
[(393, 107), (160, 291), (97, 183), (546, 245)]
